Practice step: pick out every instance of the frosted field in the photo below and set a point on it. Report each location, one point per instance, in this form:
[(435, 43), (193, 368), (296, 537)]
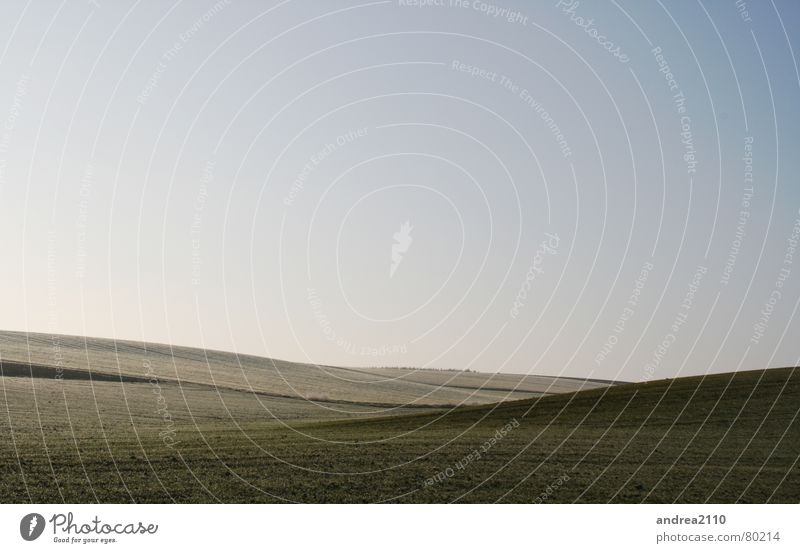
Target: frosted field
[(223, 375)]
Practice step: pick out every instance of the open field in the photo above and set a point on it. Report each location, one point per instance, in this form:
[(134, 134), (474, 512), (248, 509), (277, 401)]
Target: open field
[(55, 355), (720, 438)]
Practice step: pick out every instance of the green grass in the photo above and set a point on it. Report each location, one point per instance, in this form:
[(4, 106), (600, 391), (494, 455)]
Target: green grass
[(721, 438)]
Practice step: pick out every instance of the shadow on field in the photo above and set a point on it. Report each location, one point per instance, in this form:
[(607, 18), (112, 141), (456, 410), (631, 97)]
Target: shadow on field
[(26, 370)]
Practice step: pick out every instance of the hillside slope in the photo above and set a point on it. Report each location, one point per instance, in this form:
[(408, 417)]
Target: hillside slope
[(51, 355), (720, 438)]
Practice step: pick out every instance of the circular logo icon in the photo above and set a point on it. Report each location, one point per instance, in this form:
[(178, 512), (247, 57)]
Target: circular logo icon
[(31, 526)]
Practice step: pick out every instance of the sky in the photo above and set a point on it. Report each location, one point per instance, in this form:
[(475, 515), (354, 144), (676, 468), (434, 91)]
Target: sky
[(595, 189)]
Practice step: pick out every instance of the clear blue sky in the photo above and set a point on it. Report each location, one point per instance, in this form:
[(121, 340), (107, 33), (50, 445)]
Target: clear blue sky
[(604, 189)]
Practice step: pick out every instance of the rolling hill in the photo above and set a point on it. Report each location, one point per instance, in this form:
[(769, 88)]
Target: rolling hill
[(130, 434), (78, 357)]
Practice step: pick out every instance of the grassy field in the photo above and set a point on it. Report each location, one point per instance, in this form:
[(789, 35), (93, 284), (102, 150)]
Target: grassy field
[(720, 438), (273, 377)]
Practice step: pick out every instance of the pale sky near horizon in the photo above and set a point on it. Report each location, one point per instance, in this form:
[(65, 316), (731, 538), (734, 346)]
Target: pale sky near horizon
[(600, 189)]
